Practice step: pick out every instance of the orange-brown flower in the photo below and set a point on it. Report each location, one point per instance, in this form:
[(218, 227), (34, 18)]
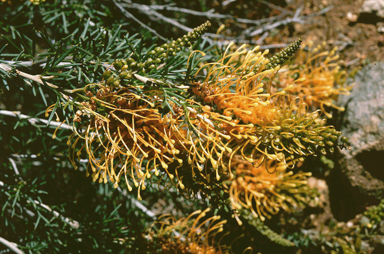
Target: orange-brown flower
[(125, 135), (235, 85)]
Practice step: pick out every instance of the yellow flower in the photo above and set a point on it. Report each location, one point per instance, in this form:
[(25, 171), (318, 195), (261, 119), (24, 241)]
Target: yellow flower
[(193, 234), (266, 188), (321, 78), (258, 120)]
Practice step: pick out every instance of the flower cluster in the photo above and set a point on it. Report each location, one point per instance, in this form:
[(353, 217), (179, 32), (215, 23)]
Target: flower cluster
[(125, 69), (192, 235), (133, 127), (263, 192), (124, 133), (261, 122), (319, 75)]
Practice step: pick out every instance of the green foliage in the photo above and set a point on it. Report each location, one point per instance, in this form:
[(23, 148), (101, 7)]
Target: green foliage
[(375, 214), (264, 229)]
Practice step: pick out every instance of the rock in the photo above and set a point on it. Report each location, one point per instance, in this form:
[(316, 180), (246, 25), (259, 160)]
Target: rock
[(371, 11), (359, 176), (351, 17), (380, 27)]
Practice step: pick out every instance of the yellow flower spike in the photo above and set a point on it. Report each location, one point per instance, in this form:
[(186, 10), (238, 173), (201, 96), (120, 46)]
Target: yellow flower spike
[(190, 237), (265, 193), (323, 79)]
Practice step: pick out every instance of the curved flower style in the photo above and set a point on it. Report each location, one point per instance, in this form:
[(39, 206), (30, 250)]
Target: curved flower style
[(190, 235), (263, 192), (321, 79)]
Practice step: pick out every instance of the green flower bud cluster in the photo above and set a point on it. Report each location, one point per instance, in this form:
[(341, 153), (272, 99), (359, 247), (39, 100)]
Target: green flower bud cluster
[(299, 136), (375, 214), (309, 135), (157, 55), (264, 229), (284, 55), (278, 59), (125, 68), (123, 73)]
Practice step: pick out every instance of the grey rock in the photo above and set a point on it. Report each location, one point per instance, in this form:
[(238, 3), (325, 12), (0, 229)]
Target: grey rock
[(363, 125), (371, 11)]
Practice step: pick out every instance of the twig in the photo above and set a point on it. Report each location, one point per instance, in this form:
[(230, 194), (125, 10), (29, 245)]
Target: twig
[(278, 23), (37, 79), (14, 166), (318, 13), (43, 64), (34, 156), (11, 245), (34, 120), (227, 40), (28, 76), (150, 11), (139, 205), (129, 15), (148, 212), (352, 62), (74, 224), (275, 7), (261, 39), (226, 2), (207, 14)]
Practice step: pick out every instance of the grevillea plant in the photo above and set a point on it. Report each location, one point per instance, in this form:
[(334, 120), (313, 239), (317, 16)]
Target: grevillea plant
[(228, 130)]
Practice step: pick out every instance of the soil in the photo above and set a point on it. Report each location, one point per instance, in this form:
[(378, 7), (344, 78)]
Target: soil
[(354, 34)]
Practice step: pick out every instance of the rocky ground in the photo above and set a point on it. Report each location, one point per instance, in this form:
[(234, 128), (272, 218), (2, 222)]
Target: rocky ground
[(355, 26), (357, 180)]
